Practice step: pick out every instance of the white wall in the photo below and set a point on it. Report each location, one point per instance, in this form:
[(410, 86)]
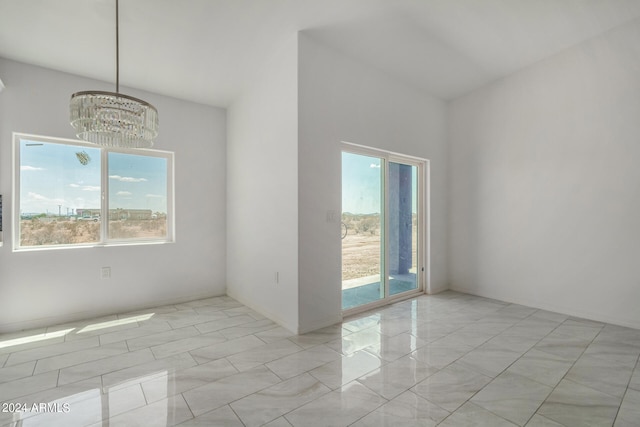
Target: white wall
[(343, 100), (545, 183), (262, 191), (47, 287)]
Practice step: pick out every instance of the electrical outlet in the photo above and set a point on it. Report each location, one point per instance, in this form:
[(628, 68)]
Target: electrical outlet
[(105, 272)]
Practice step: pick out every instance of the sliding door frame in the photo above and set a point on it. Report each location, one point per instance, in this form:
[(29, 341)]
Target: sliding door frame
[(423, 217)]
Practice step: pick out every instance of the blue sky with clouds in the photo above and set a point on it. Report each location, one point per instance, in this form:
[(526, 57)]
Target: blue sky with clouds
[(137, 182), (52, 175), (362, 184)]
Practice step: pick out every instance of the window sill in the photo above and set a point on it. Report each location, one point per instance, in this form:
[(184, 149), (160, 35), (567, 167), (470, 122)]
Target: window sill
[(90, 246)]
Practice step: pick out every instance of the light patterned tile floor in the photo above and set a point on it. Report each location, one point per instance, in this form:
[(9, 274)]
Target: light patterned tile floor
[(449, 359)]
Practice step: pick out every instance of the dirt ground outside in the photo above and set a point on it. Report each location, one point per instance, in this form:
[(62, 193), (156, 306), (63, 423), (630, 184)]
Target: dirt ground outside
[(47, 231), (361, 250)]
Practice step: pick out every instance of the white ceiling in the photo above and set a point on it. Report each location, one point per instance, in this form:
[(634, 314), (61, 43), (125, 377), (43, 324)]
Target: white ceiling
[(207, 50)]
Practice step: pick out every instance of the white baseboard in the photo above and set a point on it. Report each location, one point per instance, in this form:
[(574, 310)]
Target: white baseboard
[(329, 321), (271, 316), (551, 306), (90, 314)]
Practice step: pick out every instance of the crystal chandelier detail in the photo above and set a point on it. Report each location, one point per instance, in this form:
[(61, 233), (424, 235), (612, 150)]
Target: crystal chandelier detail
[(112, 119)]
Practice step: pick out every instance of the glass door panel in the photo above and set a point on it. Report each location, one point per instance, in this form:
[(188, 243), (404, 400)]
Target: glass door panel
[(403, 228), (362, 230)]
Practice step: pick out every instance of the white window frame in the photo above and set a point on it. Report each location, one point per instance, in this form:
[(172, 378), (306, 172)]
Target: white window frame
[(104, 183)]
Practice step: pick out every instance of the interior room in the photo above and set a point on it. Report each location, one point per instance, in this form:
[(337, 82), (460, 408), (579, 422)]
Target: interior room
[(504, 134)]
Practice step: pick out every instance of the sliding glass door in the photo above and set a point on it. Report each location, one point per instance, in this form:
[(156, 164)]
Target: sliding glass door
[(363, 229), (403, 228), (381, 226)]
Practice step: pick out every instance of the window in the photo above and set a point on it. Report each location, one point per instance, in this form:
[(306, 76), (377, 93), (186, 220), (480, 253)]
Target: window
[(69, 193)]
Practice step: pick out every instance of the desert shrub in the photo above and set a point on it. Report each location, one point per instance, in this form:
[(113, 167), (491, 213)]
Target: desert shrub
[(38, 233), (117, 230), (368, 224), (87, 232)]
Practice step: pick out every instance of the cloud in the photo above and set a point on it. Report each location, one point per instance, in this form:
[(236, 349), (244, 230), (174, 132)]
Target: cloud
[(157, 196), (86, 187), (127, 178), (30, 168), (82, 203), (123, 193), (373, 165), (41, 198)]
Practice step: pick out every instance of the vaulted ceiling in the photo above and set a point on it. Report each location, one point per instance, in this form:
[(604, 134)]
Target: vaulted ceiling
[(207, 50)]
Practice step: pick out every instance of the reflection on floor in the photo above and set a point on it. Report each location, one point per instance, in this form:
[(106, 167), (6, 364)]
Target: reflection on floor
[(365, 290), (449, 359), (370, 292)]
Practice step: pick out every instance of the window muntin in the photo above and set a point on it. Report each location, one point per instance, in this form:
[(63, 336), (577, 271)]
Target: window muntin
[(64, 189)]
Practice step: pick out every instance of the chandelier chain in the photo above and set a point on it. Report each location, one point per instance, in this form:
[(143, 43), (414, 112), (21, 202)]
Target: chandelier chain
[(117, 49), (111, 118)]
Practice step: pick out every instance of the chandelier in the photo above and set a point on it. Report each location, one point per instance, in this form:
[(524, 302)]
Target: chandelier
[(112, 119)]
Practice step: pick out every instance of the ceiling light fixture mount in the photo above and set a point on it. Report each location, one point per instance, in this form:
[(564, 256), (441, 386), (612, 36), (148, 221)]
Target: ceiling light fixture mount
[(111, 118)]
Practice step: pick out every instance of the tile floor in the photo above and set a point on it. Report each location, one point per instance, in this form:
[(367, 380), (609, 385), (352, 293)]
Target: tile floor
[(449, 359)]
